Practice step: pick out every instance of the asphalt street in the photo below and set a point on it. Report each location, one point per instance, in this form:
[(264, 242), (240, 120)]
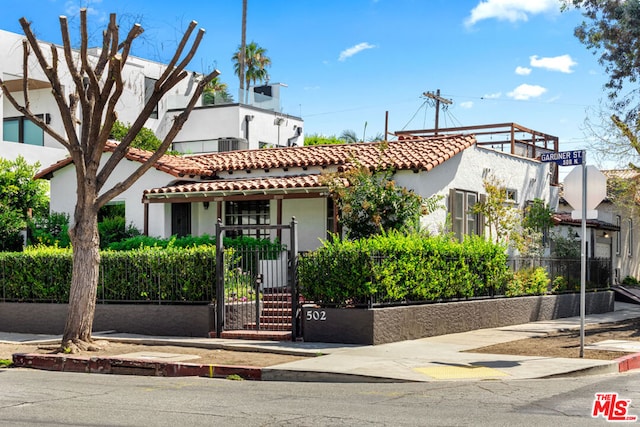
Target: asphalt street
[(36, 398)]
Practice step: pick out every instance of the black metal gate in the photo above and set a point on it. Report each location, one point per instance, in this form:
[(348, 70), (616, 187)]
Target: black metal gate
[(256, 286)]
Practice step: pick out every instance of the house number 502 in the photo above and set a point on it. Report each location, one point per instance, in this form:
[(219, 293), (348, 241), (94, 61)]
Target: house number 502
[(317, 315)]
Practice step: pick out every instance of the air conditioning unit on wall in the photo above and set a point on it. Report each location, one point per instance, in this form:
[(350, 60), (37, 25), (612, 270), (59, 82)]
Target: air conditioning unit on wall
[(232, 144)]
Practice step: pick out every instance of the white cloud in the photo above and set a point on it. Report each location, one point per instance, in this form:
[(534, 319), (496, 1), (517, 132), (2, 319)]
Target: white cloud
[(525, 92), (492, 95), (510, 10), (523, 71), (72, 8), (562, 63), (347, 53), (466, 104)]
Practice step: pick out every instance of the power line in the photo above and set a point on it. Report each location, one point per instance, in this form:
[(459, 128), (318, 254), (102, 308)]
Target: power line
[(438, 100)]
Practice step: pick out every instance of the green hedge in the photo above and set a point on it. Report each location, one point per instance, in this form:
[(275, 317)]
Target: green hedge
[(148, 274), (151, 270), (36, 275), (402, 268), (266, 246)]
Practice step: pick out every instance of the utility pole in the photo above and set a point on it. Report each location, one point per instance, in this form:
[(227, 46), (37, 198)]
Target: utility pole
[(436, 96)]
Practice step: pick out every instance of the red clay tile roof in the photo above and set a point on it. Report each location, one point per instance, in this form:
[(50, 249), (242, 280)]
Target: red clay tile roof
[(621, 173), (253, 185), (409, 152), (564, 218), (420, 153), (175, 165)]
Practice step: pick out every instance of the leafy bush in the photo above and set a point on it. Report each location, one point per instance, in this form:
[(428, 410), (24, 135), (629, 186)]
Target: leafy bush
[(395, 267), (50, 230), (19, 195), (269, 249), (158, 274), (528, 281), (565, 246), (114, 230), (42, 274), (144, 140), (630, 280), (373, 203), (148, 274)]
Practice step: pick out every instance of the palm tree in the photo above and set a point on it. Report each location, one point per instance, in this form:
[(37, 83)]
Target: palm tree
[(349, 136), (377, 137), (256, 62), (215, 89), (243, 45)]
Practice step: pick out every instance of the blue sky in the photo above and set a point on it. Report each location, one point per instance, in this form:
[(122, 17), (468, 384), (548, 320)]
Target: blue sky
[(347, 62)]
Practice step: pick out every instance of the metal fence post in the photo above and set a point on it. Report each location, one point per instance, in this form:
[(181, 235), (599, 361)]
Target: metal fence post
[(293, 277), (219, 280)]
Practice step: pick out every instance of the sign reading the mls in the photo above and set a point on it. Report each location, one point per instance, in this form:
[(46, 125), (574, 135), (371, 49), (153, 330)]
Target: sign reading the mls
[(563, 158)]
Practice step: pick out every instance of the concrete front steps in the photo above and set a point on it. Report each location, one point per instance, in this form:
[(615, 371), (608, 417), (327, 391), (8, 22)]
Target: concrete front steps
[(275, 321)]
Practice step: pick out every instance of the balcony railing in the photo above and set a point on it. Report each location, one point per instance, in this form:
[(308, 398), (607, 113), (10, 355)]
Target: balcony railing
[(177, 102)]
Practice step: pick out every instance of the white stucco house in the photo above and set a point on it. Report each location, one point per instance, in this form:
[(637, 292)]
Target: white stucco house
[(187, 194), (612, 235), (213, 126)]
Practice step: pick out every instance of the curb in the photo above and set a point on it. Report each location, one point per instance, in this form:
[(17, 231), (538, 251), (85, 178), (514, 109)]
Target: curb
[(627, 363), (105, 365)]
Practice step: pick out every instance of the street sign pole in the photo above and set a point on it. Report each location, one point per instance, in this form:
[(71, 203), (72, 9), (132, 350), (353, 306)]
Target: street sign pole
[(583, 257), (598, 192)]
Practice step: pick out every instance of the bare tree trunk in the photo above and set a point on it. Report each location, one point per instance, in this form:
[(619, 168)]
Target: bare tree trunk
[(84, 285), (88, 112)]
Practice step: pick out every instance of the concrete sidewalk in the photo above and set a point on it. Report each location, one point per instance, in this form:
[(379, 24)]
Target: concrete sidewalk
[(445, 357)]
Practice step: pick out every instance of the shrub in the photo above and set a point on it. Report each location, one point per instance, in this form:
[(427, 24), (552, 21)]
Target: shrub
[(114, 229), (630, 280), (394, 267), (148, 274), (50, 230), (269, 249), (373, 202), (528, 281), (42, 274)]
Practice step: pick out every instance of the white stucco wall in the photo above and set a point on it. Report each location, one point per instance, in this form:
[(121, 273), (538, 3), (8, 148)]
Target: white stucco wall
[(466, 170), (63, 194), (627, 260), (209, 123), (311, 215)]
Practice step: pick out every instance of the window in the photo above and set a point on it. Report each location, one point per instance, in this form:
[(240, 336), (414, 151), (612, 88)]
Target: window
[(511, 195), (23, 130), (149, 86), (252, 212), (618, 237), (463, 221), (630, 237)]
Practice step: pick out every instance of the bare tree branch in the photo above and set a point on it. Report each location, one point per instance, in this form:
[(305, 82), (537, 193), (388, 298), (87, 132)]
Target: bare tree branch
[(174, 60), (170, 77), (104, 53), (166, 142), (57, 91), (54, 58), (110, 117), (125, 47), (192, 52), (94, 85), (35, 119), (25, 73)]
